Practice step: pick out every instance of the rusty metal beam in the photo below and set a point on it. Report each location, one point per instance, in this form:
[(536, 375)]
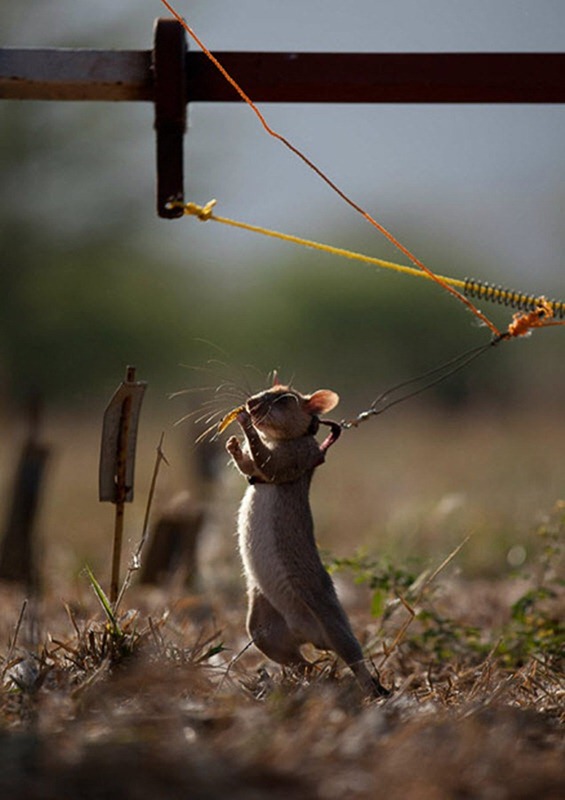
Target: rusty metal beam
[(170, 77), (290, 77), (381, 77), (65, 74)]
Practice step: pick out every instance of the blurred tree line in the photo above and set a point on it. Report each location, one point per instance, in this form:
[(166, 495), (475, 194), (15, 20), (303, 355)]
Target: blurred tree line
[(360, 330), (80, 298)]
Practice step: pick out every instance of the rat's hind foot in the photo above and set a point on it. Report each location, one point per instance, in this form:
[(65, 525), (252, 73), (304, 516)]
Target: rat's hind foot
[(370, 684)]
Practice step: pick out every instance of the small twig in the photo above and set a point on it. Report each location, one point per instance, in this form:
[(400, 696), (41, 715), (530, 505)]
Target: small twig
[(400, 634), (91, 679), (71, 616), (498, 690), (403, 688), (12, 645), (159, 459), (444, 564), (157, 636), (231, 664), (135, 563), (412, 613)]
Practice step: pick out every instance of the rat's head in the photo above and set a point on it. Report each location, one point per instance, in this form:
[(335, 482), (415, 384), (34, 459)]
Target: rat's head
[(284, 413)]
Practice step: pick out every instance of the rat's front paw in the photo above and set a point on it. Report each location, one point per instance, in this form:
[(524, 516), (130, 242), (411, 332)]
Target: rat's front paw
[(233, 447)]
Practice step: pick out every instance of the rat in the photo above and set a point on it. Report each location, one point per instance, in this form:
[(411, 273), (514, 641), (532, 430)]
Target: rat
[(291, 597)]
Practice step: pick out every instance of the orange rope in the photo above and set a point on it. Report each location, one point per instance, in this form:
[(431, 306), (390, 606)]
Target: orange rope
[(387, 234), (540, 317)]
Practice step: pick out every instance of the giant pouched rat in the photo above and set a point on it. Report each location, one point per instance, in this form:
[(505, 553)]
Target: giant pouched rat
[(292, 599)]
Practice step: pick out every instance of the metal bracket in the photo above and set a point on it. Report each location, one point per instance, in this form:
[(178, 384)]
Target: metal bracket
[(169, 74)]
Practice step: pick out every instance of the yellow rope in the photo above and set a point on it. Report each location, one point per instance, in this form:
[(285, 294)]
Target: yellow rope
[(205, 213), (470, 287)]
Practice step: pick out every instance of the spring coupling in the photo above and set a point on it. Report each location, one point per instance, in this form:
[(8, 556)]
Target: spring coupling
[(482, 290)]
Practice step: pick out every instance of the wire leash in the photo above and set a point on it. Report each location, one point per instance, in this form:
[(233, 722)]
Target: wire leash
[(532, 311), (443, 371)]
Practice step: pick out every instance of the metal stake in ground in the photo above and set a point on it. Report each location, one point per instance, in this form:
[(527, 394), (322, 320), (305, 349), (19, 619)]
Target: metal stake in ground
[(18, 551), (117, 459)]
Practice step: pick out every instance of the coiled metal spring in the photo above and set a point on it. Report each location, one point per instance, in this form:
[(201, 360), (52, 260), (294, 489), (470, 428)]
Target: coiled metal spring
[(483, 290)]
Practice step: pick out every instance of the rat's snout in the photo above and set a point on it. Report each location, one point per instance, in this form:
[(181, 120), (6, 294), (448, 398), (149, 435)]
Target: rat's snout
[(256, 404), (260, 408), (253, 405)]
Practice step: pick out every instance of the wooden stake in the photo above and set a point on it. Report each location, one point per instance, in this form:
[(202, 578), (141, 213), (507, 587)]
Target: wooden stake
[(117, 460)]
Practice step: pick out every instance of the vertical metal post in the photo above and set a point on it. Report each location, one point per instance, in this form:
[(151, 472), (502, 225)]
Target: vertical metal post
[(18, 556), (169, 68)]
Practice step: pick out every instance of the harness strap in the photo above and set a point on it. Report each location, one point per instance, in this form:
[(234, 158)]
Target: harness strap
[(331, 438), (333, 435)]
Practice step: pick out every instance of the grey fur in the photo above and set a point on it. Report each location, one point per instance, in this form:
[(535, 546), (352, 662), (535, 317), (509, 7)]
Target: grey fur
[(292, 599)]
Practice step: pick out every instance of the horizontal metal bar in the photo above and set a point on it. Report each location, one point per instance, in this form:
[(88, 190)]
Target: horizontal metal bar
[(40, 74), (66, 74), (382, 77)]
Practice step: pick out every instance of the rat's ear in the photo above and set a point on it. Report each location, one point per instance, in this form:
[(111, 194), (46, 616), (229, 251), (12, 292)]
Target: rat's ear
[(276, 381), (322, 401)]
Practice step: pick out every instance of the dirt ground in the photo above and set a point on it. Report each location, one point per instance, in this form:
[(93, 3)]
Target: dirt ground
[(164, 700), (161, 709)]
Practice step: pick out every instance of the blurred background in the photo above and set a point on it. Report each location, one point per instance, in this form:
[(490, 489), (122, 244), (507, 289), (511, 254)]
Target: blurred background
[(93, 280)]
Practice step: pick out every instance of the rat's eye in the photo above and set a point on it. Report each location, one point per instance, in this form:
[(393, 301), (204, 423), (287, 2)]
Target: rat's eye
[(284, 400)]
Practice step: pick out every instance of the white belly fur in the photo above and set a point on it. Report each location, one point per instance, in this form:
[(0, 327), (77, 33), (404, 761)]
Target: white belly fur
[(257, 541), (280, 558)]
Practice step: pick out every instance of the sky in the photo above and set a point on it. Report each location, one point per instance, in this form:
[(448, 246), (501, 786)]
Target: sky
[(485, 179)]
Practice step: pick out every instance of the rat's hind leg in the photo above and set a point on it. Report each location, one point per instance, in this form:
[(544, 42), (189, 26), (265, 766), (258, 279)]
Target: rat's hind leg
[(269, 631), (322, 621), (340, 638)]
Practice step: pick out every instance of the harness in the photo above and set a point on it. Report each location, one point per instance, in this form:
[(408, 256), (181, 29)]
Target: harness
[(331, 438)]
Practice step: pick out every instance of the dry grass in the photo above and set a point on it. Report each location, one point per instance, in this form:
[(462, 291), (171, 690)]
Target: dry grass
[(156, 712), (159, 708)]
